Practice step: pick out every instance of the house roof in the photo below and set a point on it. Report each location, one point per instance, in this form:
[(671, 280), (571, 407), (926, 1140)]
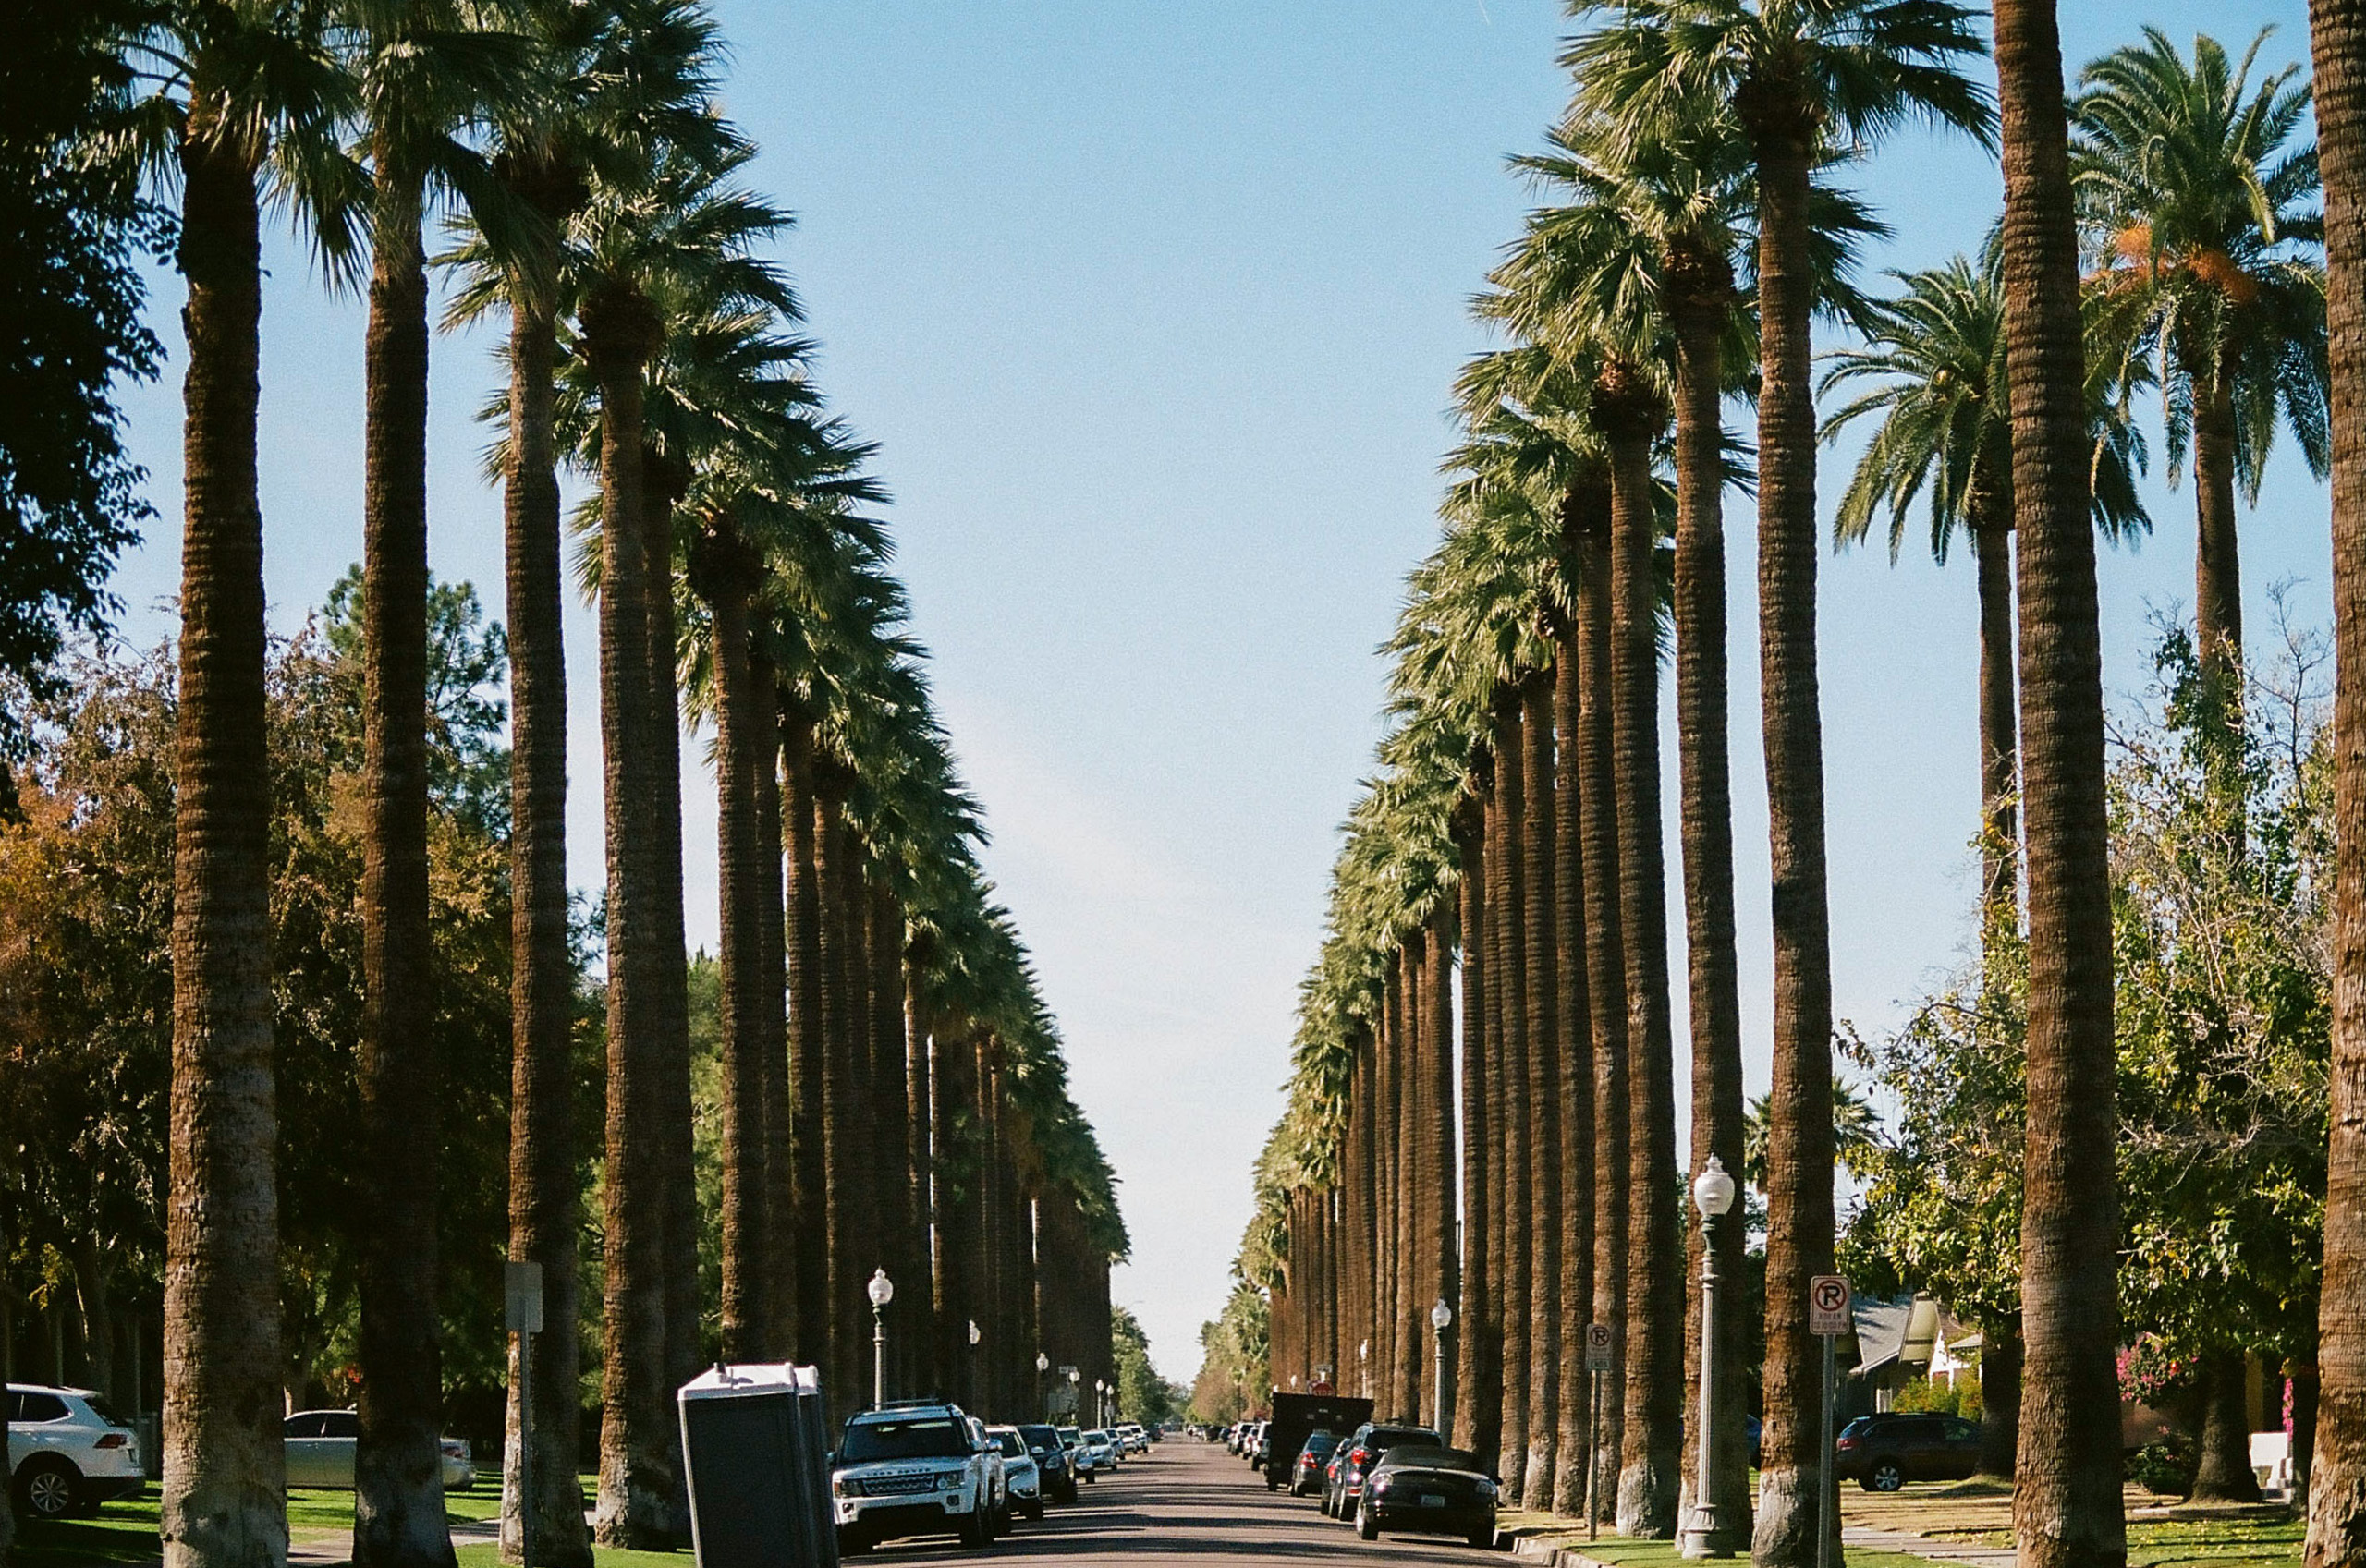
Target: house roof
[(1903, 1330)]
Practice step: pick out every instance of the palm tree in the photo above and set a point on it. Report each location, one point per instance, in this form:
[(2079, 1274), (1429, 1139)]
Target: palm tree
[(666, 224), (2198, 203), (1471, 1419), (231, 90), (2337, 1475), (1507, 929), (425, 69), (2067, 1501), (1939, 348), (1794, 79)]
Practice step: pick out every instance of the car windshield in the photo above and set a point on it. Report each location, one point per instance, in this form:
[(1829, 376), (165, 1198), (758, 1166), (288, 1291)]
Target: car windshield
[(1070, 1435), (1855, 1428), (1321, 1443), (921, 1437), (1096, 1436), (1013, 1445), (1389, 1437), (1040, 1438)]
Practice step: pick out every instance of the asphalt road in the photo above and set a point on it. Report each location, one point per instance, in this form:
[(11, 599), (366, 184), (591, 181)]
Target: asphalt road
[(1187, 1502)]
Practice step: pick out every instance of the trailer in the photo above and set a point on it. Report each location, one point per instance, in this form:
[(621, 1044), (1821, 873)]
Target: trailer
[(1298, 1417)]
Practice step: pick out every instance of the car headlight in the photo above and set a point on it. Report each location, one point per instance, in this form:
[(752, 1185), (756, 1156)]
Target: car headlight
[(841, 1487), (951, 1478)]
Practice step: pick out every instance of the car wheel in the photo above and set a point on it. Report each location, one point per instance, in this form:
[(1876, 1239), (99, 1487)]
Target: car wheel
[(47, 1489), (975, 1533), (1886, 1475), (1484, 1540), (1367, 1527)]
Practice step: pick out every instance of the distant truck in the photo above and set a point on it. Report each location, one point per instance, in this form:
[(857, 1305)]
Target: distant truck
[(1298, 1414)]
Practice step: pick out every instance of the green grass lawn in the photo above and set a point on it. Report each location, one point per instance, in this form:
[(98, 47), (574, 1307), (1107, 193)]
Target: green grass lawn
[(2160, 1543), (127, 1531), (1625, 1552)]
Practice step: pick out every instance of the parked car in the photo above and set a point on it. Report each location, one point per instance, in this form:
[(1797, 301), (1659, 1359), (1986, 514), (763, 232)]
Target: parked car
[(1054, 1460), (1136, 1441), (1096, 1454), (1360, 1453), (997, 1479), (68, 1451), (1306, 1473), (1883, 1452), (320, 1444), (912, 1469), (1022, 1475), (1430, 1491)]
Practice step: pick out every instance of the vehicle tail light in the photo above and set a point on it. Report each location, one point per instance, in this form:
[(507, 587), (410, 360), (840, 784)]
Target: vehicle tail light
[(1845, 1442), (1359, 1456), (112, 1439)]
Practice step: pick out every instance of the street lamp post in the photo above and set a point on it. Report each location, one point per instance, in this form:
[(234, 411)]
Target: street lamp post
[(1705, 1533), (1440, 1317), (882, 1291), (1042, 1389), (977, 1390), (1100, 1403)]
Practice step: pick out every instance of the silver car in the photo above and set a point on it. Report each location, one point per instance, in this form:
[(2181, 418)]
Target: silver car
[(1022, 1477), (321, 1445)]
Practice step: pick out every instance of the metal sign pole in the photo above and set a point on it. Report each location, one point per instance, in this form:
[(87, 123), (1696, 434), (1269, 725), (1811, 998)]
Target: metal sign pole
[(1593, 1459), (1829, 1317), (1824, 1487), (522, 1298)]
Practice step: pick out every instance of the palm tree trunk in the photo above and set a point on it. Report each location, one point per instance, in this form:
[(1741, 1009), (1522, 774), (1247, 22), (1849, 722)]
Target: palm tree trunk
[(741, 714), (918, 1359), (1543, 1131), (1586, 545), (1509, 930), (845, 1133), (771, 1016), (948, 1053), (2217, 558), (398, 1464), (1364, 1097), (2336, 1494), (1444, 1272), (2223, 1471), (2066, 1507), (1654, 1362), (546, 1207), (1576, 1085), (1475, 1417), (661, 818), (225, 1456), (808, 1037), (1404, 1338), (1798, 1188), (1999, 743), (637, 1447), (1388, 1143), (1706, 826), (2000, 1396)]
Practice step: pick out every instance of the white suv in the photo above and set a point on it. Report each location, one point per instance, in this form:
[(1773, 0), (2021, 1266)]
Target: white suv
[(912, 1469), (68, 1452)]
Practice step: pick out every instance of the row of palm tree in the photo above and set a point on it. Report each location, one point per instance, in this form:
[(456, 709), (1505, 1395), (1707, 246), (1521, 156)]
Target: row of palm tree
[(2158, 238), (893, 1093)]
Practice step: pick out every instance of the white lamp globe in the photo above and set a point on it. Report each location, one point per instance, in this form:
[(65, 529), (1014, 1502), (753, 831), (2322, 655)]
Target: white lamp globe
[(882, 1288), (1712, 1189)]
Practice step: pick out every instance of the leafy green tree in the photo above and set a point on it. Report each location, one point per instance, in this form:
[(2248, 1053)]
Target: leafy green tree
[(71, 230)]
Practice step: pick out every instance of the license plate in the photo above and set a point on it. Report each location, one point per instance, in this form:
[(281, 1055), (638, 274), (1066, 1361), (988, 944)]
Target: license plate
[(1431, 1500)]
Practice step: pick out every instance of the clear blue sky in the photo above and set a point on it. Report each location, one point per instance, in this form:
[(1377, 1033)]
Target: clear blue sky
[(1153, 310)]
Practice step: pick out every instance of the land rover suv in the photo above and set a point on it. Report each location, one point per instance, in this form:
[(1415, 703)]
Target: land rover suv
[(912, 1469)]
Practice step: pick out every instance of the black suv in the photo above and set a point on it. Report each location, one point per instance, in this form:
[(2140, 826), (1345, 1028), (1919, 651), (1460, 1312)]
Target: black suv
[(1883, 1452), (1360, 1454), (1054, 1460)]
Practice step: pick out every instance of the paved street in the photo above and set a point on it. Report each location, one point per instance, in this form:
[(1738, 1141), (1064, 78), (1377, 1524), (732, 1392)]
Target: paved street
[(1188, 1501)]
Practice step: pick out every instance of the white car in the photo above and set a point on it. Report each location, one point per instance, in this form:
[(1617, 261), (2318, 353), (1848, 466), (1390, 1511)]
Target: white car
[(68, 1451), (1022, 1477), (1136, 1441), (1096, 1452), (320, 1444), (912, 1469)]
